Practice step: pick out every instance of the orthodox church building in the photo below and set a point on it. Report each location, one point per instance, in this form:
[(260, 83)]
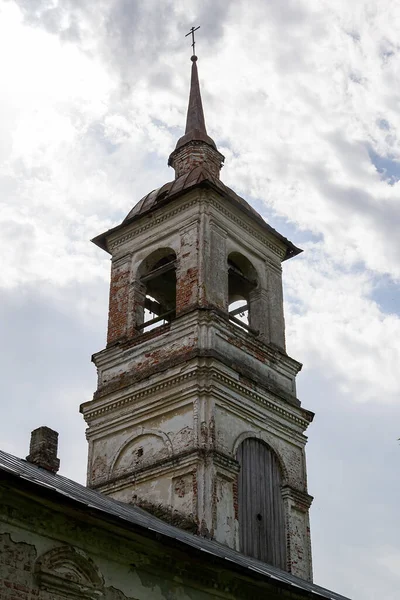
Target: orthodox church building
[(196, 477)]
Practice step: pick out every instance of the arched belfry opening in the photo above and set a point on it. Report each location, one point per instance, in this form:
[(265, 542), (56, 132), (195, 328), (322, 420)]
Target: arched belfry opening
[(262, 531), (157, 278), (242, 281)]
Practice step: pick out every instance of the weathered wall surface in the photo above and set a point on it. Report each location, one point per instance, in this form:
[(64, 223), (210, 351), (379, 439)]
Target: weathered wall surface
[(174, 442), (70, 572), (50, 555), (173, 404), (202, 230)]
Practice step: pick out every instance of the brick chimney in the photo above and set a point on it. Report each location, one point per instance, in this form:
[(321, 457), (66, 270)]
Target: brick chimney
[(43, 449)]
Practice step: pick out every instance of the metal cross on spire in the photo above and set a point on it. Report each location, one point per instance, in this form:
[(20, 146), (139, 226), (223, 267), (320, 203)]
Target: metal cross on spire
[(191, 32)]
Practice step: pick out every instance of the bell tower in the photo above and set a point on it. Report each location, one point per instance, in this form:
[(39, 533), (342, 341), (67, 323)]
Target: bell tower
[(195, 414)]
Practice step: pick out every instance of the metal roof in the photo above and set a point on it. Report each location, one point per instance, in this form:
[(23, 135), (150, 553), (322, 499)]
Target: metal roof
[(133, 515), (183, 183), (196, 177)]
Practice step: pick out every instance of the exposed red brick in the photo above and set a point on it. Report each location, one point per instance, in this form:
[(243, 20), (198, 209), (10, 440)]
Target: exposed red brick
[(118, 304), (187, 290)]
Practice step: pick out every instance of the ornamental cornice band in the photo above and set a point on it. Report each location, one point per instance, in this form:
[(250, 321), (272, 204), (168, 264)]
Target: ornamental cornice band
[(212, 201), (138, 396), (133, 398), (275, 249), (156, 221)]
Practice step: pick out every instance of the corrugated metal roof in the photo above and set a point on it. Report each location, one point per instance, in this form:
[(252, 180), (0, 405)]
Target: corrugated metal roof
[(136, 516)]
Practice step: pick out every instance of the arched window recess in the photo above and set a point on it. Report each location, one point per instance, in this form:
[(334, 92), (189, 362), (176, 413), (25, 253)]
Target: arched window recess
[(242, 281), (159, 283)]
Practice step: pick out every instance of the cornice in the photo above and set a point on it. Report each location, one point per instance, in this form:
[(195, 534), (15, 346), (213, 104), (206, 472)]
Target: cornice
[(182, 325), (131, 399), (213, 201), (280, 252), (179, 464), (301, 499), (184, 461), (150, 223), (262, 400), (227, 463), (272, 353), (273, 266)]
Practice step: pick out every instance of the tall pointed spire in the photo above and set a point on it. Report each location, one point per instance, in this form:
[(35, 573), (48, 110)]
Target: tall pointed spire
[(195, 115), (195, 148)]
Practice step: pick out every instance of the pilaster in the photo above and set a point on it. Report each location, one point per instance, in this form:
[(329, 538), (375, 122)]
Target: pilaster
[(297, 505), (118, 314)]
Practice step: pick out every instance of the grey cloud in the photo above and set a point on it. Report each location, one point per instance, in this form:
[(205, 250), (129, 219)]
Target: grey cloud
[(130, 36), (46, 365), (52, 18), (351, 452), (349, 200), (289, 14), (353, 156)]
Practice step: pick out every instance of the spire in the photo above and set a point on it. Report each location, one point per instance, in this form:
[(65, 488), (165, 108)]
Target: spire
[(195, 115), (195, 148)]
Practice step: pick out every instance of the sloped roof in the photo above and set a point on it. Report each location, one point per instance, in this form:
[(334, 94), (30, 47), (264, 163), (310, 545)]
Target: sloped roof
[(199, 176), (131, 516)]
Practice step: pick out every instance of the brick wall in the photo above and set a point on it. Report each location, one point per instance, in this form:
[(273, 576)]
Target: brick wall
[(16, 570), (119, 301), (195, 154)]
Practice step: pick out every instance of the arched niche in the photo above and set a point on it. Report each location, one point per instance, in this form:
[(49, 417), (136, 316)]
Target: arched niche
[(140, 450), (68, 572), (261, 513)]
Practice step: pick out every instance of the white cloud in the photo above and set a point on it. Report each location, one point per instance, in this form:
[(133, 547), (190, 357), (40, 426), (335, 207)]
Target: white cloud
[(306, 149), (390, 559), (334, 324), (299, 96)]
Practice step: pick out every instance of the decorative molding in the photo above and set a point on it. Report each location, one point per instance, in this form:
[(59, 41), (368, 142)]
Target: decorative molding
[(264, 401), (140, 432), (134, 398), (182, 463), (272, 266), (181, 207), (275, 249), (301, 499), (118, 261), (136, 231), (227, 463), (217, 228), (69, 572), (178, 465), (184, 324)]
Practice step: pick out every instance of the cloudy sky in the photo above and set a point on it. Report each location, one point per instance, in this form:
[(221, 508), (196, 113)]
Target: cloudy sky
[(303, 99)]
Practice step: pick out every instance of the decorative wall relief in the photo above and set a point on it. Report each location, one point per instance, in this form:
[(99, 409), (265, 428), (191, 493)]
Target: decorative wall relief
[(68, 572)]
